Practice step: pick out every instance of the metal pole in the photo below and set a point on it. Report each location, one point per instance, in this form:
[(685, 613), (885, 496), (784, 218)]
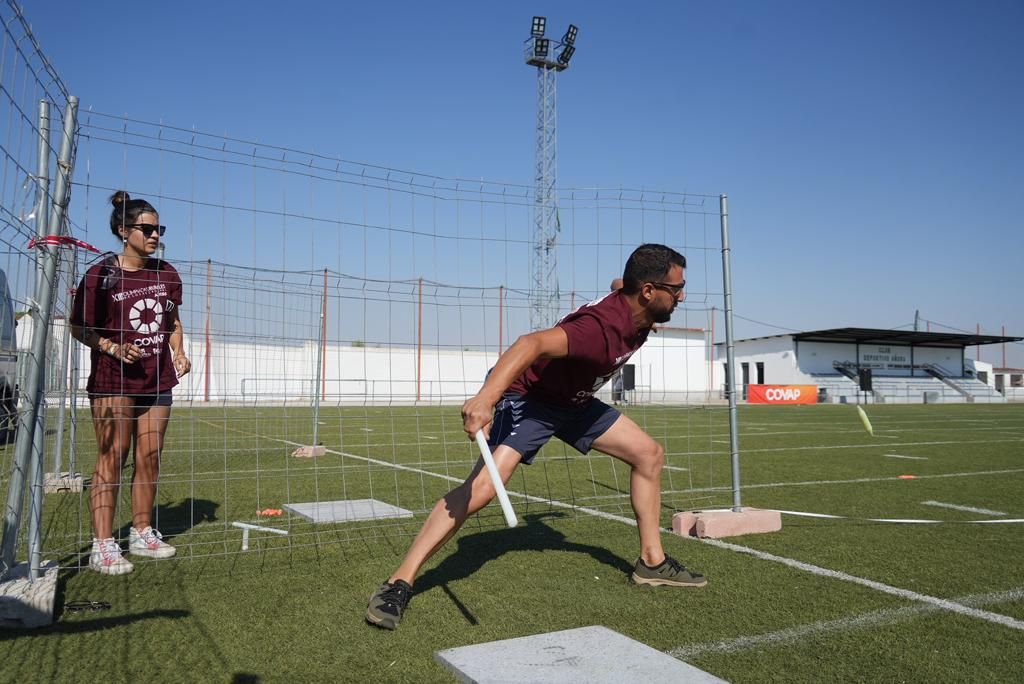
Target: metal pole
[(419, 339), (711, 353), (730, 384), (206, 355), (323, 344), (65, 350), (74, 355), (34, 378), (319, 362), (42, 225), (39, 431)]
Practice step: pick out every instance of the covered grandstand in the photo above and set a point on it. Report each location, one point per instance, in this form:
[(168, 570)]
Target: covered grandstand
[(848, 365)]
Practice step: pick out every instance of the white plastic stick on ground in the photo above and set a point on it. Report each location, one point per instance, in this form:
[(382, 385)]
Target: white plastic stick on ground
[(499, 486), (867, 423)]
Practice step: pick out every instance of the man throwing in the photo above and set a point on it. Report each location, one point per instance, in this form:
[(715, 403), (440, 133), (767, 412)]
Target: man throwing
[(543, 386)]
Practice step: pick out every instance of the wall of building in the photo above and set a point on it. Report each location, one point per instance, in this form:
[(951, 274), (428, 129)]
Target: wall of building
[(788, 362), (820, 357), (673, 367)]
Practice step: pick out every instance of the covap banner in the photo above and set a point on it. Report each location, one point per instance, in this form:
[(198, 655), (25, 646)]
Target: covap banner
[(782, 394)]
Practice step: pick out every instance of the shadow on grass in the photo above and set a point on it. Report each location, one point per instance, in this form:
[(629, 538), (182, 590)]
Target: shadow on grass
[(80, 626), (245, 678), (176, 519), (475, 550)]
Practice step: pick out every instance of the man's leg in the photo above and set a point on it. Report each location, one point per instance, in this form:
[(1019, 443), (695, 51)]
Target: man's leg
[(626, 441), (388, 602), (452, 510)]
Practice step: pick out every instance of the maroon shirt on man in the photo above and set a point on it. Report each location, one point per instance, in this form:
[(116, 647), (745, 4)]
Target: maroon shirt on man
[(130, 307), (602, 336)]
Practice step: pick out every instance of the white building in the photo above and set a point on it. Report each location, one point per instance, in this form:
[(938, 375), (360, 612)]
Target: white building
[(905, 366), (1009, 381), (674, 366)]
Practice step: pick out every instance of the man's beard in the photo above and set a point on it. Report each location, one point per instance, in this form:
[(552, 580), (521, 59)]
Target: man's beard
[(663, 316)]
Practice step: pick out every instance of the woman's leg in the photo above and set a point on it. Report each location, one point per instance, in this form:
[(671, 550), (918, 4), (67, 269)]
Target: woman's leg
[(150, 426), (112, 419)]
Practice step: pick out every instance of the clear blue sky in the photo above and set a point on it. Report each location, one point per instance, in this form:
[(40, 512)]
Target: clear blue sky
[(872, 151)]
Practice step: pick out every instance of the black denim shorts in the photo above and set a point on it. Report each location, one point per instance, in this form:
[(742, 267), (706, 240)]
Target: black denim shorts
[(141, 400)]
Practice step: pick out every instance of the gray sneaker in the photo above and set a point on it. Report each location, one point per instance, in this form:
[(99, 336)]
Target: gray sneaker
[(670, 573), (388, 603)]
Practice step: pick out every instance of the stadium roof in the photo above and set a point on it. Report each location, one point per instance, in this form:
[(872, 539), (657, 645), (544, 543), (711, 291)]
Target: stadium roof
[(883, 336)]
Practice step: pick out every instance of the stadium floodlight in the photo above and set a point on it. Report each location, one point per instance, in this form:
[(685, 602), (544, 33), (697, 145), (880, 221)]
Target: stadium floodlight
[(540, 47), (566, 55), (570, 35), (539, 23)]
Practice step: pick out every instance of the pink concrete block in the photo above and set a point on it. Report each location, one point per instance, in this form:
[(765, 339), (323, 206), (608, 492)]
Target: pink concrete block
[(718, 524), (309, 451), (685, 524)]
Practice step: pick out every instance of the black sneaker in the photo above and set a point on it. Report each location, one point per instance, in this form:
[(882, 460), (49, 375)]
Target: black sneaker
[(387, 604), (670, 573)]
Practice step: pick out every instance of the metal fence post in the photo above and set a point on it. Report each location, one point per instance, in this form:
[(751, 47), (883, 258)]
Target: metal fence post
[(730, 384), (318, 387), (35, 377)]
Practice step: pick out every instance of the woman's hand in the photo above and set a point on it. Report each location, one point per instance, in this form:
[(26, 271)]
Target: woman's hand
[(181, 364), (125, 353)]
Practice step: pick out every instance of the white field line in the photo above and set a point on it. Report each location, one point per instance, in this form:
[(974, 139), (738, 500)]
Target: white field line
[(872, 619), (668, 467), (913, 458), (944, 604), (969, 509), (904, 521), (972, 442), (807, 567), (858, 480)]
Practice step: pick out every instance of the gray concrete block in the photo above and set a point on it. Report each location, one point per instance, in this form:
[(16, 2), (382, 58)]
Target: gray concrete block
[(55, 483), (28, 604), (347, 511), (587, 654)]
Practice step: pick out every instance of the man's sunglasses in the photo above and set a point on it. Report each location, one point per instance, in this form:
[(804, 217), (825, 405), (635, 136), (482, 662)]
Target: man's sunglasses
[(148, 228), (672, 288)]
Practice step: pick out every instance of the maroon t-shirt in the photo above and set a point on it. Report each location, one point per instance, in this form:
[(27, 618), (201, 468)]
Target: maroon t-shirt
[(602, 336), (130, 307)]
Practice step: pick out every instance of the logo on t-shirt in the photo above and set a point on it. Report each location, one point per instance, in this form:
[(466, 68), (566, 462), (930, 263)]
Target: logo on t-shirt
[(146, 316)]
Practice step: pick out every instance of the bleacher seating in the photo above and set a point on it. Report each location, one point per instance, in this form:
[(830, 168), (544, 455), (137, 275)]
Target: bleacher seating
[(840, 389)]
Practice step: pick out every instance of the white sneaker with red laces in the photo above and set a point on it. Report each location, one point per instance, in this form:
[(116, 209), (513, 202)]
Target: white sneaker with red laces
[(106, 557), (149, 542)]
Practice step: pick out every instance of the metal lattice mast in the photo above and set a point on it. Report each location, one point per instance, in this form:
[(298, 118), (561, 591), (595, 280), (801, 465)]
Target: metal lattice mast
[(544, 294)]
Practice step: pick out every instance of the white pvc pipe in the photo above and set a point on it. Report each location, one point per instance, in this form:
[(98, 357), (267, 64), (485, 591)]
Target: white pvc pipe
[(499, 486)]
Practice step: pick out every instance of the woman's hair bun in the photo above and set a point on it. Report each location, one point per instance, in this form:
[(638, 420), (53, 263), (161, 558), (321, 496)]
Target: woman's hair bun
[(120, 197)]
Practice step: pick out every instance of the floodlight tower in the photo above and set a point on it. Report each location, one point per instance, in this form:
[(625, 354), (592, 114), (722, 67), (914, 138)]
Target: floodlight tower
[(540, 53)]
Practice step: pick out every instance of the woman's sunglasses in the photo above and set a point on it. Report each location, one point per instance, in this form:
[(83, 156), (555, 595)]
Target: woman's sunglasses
[(148, 228)]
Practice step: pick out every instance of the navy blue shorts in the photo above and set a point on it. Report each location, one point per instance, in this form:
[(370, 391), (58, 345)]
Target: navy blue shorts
[(142, 401), (527, 424)]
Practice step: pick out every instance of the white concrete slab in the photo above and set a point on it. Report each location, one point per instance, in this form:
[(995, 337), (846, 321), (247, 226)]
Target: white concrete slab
[(349, 510), (24, 603), (589, 654)]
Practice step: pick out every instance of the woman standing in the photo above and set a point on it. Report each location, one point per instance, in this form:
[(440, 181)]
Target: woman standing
[(126, 311)]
